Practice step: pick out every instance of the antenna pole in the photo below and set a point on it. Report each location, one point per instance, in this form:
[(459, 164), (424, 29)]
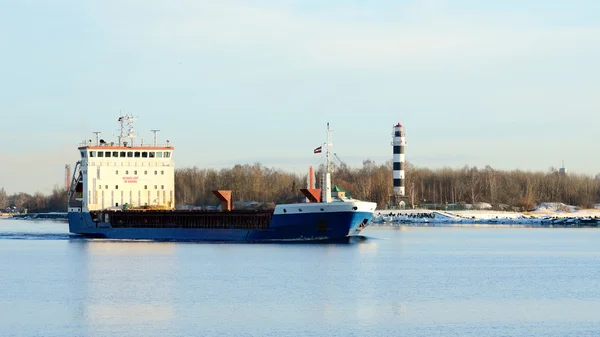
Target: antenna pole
[(155, 132), (97, 133), (327, 149), (122, 129), (326, 190)]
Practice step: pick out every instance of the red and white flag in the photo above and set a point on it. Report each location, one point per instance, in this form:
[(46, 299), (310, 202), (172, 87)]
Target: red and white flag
[(318, 150)]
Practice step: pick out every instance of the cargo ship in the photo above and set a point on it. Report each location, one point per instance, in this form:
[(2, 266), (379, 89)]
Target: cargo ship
[(124, 191)]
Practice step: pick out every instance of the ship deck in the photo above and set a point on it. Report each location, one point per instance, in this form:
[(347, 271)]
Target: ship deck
[(236, 219)]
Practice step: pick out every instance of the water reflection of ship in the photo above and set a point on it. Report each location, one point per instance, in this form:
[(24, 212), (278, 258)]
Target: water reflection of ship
[(127, 283)]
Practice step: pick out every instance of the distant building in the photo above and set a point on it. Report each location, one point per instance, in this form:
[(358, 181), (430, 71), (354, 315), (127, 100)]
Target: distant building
[(562, 170)]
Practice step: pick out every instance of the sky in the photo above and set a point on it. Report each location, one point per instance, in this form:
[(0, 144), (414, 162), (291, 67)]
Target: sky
[(510, 84)]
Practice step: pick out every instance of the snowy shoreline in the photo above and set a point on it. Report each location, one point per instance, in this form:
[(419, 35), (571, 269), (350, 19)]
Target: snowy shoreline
[(541, 217)]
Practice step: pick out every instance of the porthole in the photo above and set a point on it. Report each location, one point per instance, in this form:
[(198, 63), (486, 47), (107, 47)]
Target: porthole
[(322, 209), (284, 210), (355, 208), (299, 209)]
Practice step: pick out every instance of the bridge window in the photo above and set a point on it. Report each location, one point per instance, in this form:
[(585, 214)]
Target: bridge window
[(82, 154), (129, 154), (100, 154), (159, 154), (167, 154), (151, 154), (115, 154), (136, 154), (144, 154), (122, 154), (107, 154), (92, 153)]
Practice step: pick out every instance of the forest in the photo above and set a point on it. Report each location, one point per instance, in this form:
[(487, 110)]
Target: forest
[(505, 190)]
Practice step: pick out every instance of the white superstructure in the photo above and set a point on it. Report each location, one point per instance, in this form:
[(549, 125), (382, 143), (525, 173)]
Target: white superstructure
[(112, 175)]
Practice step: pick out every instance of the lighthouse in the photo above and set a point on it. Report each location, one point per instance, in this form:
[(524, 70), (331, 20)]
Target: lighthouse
[(398, 199), (399, 143)]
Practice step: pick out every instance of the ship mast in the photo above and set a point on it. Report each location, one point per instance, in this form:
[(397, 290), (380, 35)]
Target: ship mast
[(326, 190), (126, 130)]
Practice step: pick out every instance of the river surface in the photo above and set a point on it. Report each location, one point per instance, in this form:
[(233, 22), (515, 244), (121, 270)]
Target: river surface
[(393, 282)]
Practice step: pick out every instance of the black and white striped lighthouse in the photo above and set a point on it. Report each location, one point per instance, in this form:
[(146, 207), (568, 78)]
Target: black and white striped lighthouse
[(398, 173)]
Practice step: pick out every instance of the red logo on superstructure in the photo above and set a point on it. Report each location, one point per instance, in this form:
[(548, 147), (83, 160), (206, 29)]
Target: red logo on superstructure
[(130, 180)]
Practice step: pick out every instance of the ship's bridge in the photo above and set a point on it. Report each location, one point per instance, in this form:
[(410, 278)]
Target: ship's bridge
[(116, 176), (109, 151)]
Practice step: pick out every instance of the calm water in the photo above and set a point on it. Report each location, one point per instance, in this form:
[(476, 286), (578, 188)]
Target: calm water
[(411, 282)]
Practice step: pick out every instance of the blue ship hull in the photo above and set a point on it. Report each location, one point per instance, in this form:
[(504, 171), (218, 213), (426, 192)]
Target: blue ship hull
[(282, 227)]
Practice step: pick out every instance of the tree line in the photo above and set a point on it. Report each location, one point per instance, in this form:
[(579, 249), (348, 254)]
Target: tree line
[(36, 203), (515, 189)]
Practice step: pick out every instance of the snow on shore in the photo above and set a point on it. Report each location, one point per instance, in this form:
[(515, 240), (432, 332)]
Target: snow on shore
[(545, 215)]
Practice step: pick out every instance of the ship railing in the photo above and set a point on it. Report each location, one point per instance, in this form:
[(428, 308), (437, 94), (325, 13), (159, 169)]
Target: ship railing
[(113, 144)]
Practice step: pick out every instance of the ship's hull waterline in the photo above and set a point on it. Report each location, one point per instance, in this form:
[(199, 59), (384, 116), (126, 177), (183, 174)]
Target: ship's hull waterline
[(289, 226)]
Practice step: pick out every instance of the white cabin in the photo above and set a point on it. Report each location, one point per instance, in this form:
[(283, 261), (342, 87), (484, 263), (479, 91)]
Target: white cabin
[(113, 176), (120, 175)]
